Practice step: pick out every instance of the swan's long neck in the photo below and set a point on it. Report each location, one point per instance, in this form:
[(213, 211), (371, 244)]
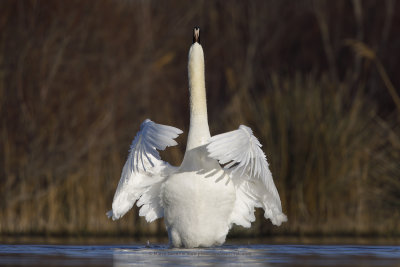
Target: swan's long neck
[(199, 132)]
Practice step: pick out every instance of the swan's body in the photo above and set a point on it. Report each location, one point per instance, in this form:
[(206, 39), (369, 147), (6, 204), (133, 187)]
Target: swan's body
[(199, 200), (197, 209)]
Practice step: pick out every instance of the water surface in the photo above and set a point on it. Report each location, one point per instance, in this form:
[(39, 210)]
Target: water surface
[(230, 254)]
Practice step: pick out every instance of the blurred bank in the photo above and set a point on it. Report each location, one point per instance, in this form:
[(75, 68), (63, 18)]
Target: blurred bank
[(317, 81)]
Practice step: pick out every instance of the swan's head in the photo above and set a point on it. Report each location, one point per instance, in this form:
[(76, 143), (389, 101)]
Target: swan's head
[(196, 56), (196, 62)]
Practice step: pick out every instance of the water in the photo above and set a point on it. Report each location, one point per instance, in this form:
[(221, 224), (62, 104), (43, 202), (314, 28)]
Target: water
[(230, 254)]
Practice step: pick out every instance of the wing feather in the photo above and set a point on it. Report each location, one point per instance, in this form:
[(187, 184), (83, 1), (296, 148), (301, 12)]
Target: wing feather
[(241, 153), (144, 172)]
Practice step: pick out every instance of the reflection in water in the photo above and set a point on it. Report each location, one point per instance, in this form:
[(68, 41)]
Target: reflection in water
[(177, 257), (239, 255)]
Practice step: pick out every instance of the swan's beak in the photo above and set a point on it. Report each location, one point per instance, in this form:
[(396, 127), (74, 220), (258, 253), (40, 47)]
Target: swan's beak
[(196, 35)]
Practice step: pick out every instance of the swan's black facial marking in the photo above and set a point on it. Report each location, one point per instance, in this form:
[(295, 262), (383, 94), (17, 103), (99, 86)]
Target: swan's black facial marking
[(196, 35)]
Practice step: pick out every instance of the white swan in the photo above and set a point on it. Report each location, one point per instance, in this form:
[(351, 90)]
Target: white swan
[(199, 200)]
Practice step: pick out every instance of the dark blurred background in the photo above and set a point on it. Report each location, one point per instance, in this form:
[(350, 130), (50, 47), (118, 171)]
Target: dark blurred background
[(317, 81)]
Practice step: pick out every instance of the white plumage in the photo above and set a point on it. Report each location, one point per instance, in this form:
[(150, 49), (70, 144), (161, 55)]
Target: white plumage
[(199, 200), (144, 172)]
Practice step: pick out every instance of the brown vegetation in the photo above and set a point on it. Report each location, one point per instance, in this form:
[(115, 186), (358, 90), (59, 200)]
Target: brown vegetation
[(316, 80)]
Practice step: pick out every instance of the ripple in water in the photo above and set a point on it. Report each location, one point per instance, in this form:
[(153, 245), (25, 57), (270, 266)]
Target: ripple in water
[(236, 255)]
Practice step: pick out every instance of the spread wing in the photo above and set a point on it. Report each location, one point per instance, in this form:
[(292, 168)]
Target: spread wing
[(240, 153), (144, 172)]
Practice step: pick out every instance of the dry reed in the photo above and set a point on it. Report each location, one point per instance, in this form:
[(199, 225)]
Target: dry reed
[(78, 77)]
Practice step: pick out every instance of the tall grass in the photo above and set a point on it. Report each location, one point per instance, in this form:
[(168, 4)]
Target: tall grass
[(78, 77)]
